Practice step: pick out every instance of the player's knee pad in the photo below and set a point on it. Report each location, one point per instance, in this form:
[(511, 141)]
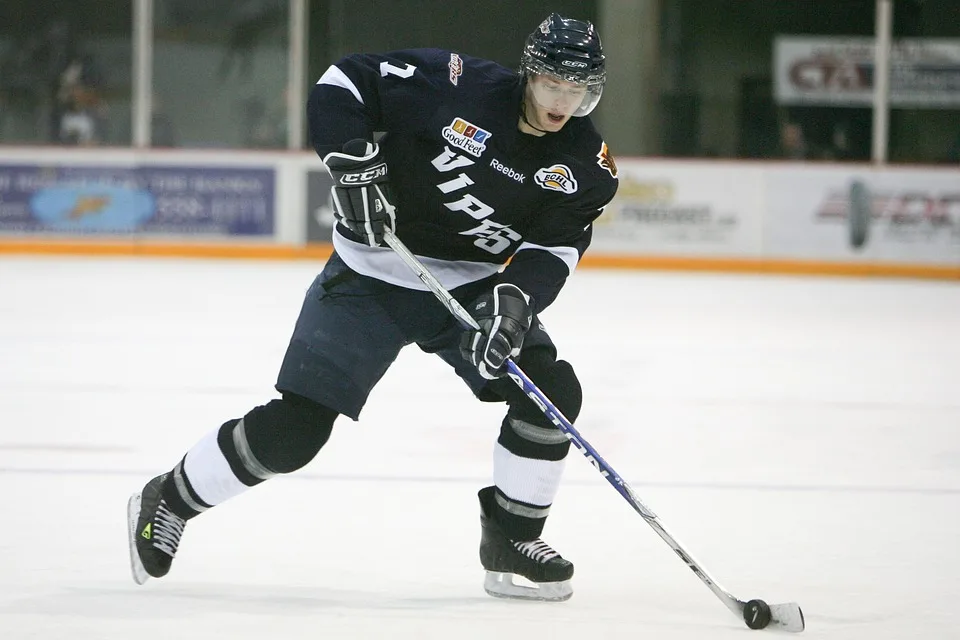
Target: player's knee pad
[(526, 431), (280, 436), (558, 382)]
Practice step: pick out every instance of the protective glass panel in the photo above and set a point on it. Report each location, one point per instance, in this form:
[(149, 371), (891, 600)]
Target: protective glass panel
[(794, 80), (65, 70), (220, 73)]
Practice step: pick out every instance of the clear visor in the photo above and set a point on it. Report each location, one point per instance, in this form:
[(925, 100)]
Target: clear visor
[(563, 97)]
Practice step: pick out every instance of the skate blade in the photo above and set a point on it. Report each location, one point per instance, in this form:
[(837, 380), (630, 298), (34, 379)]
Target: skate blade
[(501, 585), (140, 574)]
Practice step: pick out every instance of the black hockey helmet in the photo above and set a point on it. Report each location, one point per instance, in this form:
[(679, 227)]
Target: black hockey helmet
[(570, 50)]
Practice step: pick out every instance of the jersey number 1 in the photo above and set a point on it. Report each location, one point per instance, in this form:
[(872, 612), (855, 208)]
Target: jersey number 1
[(390, 69)]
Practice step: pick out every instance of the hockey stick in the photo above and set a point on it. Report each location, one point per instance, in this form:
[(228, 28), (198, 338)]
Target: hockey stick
[(757, 614)]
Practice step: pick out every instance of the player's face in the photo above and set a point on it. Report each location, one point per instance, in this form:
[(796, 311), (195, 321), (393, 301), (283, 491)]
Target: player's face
[(551, 101)]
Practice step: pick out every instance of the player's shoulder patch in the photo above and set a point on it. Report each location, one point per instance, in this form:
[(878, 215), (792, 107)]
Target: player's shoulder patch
[(606, 161), (456, 68)]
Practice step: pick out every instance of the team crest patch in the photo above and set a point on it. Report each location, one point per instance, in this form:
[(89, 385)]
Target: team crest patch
[(556, 178), (456, 68), (466, 136), (606, 161)]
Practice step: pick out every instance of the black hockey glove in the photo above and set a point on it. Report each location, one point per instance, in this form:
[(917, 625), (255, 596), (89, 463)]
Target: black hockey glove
[(504, 316), (361, 194)]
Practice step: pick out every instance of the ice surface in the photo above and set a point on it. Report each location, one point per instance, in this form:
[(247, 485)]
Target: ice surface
[(801, 437)]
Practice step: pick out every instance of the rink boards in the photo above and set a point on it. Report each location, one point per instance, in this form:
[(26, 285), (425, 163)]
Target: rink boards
[(778, 217)]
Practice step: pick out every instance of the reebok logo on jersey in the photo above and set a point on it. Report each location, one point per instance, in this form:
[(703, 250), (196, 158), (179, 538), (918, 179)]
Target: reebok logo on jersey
[(456, 68), (556, 178), (507, 171), (466, 136)]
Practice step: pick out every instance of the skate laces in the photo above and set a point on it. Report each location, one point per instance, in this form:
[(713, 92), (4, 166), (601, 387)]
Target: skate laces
[(537, 550), (167, 529)]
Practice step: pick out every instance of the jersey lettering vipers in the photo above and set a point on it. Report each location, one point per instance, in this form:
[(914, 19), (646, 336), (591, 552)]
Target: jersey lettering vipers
[(471, 191)]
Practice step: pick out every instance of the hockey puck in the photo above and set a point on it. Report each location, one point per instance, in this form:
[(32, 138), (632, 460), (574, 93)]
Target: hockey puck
[(756, 614)]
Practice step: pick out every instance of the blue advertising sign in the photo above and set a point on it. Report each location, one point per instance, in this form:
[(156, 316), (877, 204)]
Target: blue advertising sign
[(144, 199)]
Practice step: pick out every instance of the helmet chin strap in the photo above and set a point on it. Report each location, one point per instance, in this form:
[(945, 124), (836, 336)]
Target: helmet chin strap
[(523, 116)]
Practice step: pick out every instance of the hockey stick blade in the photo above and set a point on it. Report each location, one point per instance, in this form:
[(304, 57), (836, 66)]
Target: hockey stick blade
[(785, 617)]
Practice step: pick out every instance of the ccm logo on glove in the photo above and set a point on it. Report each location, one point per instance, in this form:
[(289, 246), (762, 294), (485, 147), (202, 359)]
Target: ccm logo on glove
[(364, 177), (361, 194)]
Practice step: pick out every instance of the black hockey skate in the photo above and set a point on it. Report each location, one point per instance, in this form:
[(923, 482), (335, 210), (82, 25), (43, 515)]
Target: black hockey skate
[(154, 532), (534, 560)]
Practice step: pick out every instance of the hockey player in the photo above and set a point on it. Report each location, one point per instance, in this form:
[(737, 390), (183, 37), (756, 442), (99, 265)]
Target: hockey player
[(493, 178)]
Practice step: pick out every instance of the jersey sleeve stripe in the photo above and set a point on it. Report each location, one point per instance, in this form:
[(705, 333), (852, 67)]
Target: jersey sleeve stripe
[(569, 255), (337, 78)]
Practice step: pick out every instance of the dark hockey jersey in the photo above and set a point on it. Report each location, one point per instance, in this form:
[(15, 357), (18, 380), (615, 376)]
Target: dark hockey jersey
[(471, 191)]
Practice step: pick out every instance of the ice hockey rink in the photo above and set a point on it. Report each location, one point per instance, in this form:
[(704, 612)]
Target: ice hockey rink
[(800, 436)]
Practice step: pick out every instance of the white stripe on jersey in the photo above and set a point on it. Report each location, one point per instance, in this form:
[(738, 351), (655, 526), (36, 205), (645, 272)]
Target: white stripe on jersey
[(334, 77), (384, 264), (569, 255)]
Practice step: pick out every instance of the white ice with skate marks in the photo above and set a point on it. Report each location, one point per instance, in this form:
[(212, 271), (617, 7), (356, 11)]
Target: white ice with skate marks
[(799, 436)]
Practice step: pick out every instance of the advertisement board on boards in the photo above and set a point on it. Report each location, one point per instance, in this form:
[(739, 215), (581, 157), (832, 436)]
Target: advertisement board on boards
[(320, 220), (686, 209), (887, 215), (824, 70), (108, 200)]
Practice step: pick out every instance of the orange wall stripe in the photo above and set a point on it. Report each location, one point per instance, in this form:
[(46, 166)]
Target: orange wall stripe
[(168, 250), (320, 251)]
